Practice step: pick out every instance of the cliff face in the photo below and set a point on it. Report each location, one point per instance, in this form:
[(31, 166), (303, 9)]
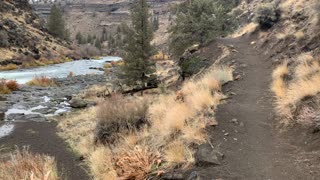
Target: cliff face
[(23, 36)]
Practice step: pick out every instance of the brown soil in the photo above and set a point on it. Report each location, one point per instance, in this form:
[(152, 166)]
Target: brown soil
[(41, 137), (253, 146)]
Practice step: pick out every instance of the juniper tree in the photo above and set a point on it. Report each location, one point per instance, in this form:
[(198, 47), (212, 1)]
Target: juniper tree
[(138, 70), (79, 38), (56, 24), (198, 22)]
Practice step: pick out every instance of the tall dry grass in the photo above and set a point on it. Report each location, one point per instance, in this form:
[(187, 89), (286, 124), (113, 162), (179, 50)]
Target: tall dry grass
[(26, 166), (7, 86), (173, 124), (304, 82), (42, 81)]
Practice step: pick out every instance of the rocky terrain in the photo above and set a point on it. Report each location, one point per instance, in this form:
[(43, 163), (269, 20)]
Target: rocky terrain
[(39, 103), (23, 36)]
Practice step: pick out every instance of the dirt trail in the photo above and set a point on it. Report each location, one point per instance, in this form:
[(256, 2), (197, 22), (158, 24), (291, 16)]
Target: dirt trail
[(251, 146), (41, 137)]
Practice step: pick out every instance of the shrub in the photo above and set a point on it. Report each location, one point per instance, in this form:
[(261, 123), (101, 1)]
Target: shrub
[(191, 66), (139, 163), (42, 82), (3, 88), (4, 39), (117, 114), (71, 74), (12, 85), (24, 165), (293, 87), (266, 15)]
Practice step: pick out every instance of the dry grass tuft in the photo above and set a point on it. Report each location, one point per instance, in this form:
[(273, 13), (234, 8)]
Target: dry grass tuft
[(8, 67), (4, 88), (12, 85), (42, 81), (139, 163), (139, 139), (278, 85), (27, 166), (117, 114), (248, 29), (7, 86), (305, 82)]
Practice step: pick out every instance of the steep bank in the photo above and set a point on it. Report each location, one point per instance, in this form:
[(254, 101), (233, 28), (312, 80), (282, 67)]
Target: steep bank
[(23, 37)]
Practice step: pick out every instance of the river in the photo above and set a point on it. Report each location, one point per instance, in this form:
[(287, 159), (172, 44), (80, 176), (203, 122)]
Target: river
[(80, 67)]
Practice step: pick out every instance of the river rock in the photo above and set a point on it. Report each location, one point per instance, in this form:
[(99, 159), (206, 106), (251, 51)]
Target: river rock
[(207, 155), (78, 103), (173, 175)]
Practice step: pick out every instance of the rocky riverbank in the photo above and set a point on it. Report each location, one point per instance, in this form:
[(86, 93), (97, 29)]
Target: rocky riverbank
[(31, 103)]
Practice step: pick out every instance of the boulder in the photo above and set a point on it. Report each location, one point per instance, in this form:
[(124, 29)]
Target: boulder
[(78, 103), (206, 155)]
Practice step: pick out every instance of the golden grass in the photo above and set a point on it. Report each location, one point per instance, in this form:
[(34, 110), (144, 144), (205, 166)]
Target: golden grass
[(139, 163), (299, 35), (27, 166), (176, 121), (248, 29), (305, 83), (101, 164), (42, 81), (8, 67), (177, 153)]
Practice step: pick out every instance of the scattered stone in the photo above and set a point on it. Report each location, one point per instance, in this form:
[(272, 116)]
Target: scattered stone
[(241, 124), (194, 176), (236, 139), (78, 103), (235, 121), (226, 134), (253, 43), (173, 175), (238, 77), (207, 155)]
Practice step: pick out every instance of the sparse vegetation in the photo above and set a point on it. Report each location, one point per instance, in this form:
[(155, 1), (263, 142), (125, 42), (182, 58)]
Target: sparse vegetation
[(119, 114), (27, 166), (142, 140), (7, 86), (295, 86), (267, 15), (8, 67), (4, 39), (42, 81), (199, 22)]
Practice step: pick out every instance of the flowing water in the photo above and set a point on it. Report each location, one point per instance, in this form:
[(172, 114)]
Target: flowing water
[(80, 67)]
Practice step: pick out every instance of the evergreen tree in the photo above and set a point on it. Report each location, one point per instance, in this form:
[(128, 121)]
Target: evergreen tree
[(104, 35), (98, 44), (79, 38), (198, 22), (89, 39), (138, 70), (56, 24), (155, 23)]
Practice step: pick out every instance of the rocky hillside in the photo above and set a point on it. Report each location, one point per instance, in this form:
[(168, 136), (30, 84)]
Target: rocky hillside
[(295, 31), (23, 37)]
